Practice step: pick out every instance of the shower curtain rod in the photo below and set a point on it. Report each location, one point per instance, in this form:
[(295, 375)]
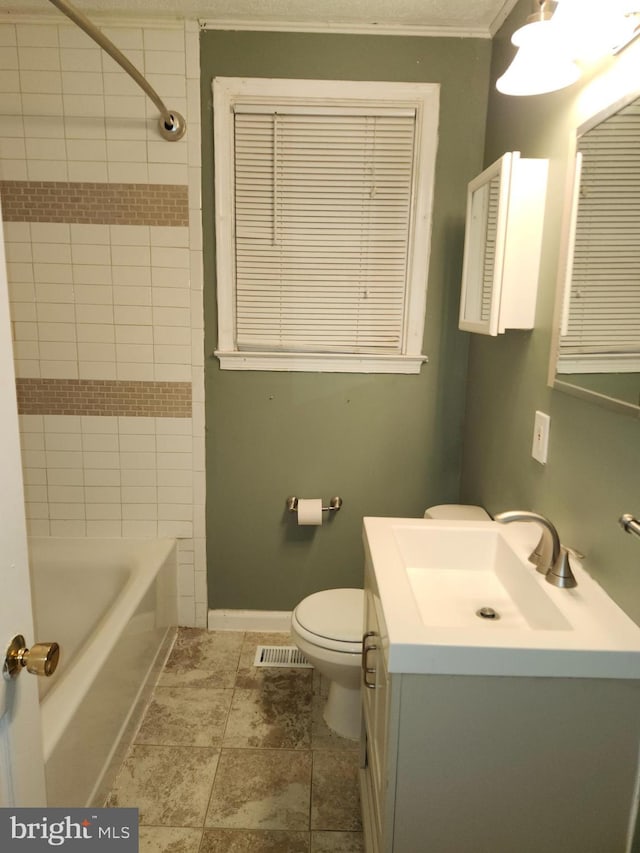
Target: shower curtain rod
[(172, 124)]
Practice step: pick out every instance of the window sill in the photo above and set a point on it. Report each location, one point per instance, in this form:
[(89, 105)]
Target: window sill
[(321, 362)]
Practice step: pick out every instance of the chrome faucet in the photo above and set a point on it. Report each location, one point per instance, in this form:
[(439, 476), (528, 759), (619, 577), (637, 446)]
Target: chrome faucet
[(549, 556)]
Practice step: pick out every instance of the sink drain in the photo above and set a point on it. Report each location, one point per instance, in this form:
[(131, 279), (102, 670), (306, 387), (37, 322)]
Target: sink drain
[(488, 613)]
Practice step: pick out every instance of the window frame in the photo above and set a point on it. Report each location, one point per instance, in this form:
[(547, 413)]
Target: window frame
[(424, 98)]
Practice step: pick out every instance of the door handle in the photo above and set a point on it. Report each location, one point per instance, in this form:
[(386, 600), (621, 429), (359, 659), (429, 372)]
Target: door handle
[(366, 669), (40, 659)]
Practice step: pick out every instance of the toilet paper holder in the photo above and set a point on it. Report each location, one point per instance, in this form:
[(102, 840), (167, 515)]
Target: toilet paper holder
[(334, 505)]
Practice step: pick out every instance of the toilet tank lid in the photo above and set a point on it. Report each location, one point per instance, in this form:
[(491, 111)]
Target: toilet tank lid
[(457, 512), (333, 613)]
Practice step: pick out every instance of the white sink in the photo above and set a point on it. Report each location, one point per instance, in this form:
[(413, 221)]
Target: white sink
[(434, 577)]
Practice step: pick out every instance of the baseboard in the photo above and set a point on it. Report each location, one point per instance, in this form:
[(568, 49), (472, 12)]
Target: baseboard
[(249, 620)]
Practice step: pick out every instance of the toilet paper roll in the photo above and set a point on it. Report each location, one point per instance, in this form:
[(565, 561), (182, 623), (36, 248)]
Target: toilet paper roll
[(310, 511)]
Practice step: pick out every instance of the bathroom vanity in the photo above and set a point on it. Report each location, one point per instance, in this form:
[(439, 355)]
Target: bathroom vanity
[(513, 734)]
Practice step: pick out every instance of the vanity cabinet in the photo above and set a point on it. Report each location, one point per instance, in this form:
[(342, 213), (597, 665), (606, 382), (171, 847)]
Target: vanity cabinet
[(505, 213), (486, 764)]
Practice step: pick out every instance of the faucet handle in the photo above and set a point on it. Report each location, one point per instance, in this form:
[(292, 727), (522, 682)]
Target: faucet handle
[(560, 573)]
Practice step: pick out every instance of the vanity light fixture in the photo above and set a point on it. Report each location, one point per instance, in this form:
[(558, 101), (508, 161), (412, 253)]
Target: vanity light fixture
[(560, 34)]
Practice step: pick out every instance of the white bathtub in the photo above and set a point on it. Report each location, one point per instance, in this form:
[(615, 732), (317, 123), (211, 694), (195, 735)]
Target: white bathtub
[(109, 603)]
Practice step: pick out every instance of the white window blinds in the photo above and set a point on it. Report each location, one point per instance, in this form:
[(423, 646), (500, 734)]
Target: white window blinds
[(323, 201), (604, 298)]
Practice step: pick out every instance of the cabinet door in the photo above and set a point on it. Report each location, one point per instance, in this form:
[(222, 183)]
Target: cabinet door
[(486, 223), (376, 716)]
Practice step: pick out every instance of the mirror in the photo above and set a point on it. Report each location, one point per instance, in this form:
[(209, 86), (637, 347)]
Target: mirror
[(597, 347)]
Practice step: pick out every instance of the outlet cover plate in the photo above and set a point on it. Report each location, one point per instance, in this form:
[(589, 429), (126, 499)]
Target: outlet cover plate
[(541, 427)]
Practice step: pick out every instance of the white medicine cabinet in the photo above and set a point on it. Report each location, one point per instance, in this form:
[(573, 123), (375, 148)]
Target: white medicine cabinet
[(505, 213)]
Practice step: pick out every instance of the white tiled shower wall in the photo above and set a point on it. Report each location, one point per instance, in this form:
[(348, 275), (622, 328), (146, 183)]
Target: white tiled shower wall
[(97, 301)]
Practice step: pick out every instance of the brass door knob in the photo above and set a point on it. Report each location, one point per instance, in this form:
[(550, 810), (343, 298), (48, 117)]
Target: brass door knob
[(40, 659)]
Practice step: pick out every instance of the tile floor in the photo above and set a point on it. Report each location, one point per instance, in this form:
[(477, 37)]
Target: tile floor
[(231, 758)]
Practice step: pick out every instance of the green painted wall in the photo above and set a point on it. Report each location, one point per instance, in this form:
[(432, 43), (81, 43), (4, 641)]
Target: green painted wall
[(591, 477), (388, 445)]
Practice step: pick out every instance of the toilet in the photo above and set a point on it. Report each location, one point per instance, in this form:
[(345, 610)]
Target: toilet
[(327, 627)]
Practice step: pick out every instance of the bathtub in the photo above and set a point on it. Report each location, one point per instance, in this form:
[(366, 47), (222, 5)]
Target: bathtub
[(110, 604)]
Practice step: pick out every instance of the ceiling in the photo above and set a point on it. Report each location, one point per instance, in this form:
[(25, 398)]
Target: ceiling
[(428, 17)]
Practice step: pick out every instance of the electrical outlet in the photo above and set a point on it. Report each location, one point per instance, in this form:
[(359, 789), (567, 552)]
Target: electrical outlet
[(541, 426)]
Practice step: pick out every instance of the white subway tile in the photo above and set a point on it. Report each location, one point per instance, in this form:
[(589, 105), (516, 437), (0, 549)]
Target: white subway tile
[(120, 84), (17, 231), (60, 370), (60, 332), (97, 370), (26, 368), (134, 334), (125, 106), (172, 86), (31, 423), (91, 235), (164, 62), (88, 172), (104, 511), (93, 294), (137, 460), (146, 477), (79, 127), (38, 510), (175, 529), (68, 529), (173, 426), (186, 611), (54, 293), (104, 529), (95, 441), (136, 426), (102, 477), (174, 460), (63, 459), (85, 106), (132, 315), (168, 173), (62, 423), (58, 351), (47, 170), (32, 441), (72, 36), (8, 34), (131, 276), (131, 295), (65, 494), (126, 128), (50, 232), (173, 443), (52, 273), (36, 35), (128, 173), (44, 127), (19, 273), (101, 314), (127, 151), (172, 335), (91, 274), (87, 149), (38, 58), (172, 373), (134, 353), (172, 297), (11, 108), (35, 459), (66, 511), (52, 253), (25, 331), (139, 511), (140, 529), (66, 477), (100, 459), (95, 333), (81, 60), (42, 105), (139, 494), (178, 478), (186, 584), (102, 494), (40, 82), (100, 425), (134, 443), (96, 352), (55, 312), (170, 277), (88, 83), (63, 441), (132, 372), (171, 316), (175, 495), (38, 527), (129, 235)]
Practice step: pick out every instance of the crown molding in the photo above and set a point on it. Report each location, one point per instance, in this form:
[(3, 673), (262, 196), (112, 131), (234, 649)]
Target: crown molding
[(346, 28)]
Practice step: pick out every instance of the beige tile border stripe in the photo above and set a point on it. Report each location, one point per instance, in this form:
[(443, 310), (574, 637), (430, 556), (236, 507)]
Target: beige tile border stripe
[(103, 397), (95, 203)]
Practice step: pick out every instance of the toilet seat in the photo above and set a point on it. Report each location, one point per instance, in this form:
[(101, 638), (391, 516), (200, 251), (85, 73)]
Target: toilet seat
[(332, 619)]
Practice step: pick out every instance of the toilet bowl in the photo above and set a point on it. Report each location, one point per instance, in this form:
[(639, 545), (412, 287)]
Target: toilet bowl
[(327, 627)]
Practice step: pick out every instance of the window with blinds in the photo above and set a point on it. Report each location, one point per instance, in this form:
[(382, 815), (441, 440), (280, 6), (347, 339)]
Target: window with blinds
[(602, 329), (323, 218)]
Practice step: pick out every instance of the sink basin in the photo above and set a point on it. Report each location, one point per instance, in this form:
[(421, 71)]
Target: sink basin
[(461, 597), (457, 580)]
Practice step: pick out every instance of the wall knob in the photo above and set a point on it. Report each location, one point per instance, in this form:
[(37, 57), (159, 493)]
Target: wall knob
[(40, 659)]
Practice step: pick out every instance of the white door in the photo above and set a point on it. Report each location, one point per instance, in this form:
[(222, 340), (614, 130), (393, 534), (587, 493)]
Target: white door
[(21, 763)]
